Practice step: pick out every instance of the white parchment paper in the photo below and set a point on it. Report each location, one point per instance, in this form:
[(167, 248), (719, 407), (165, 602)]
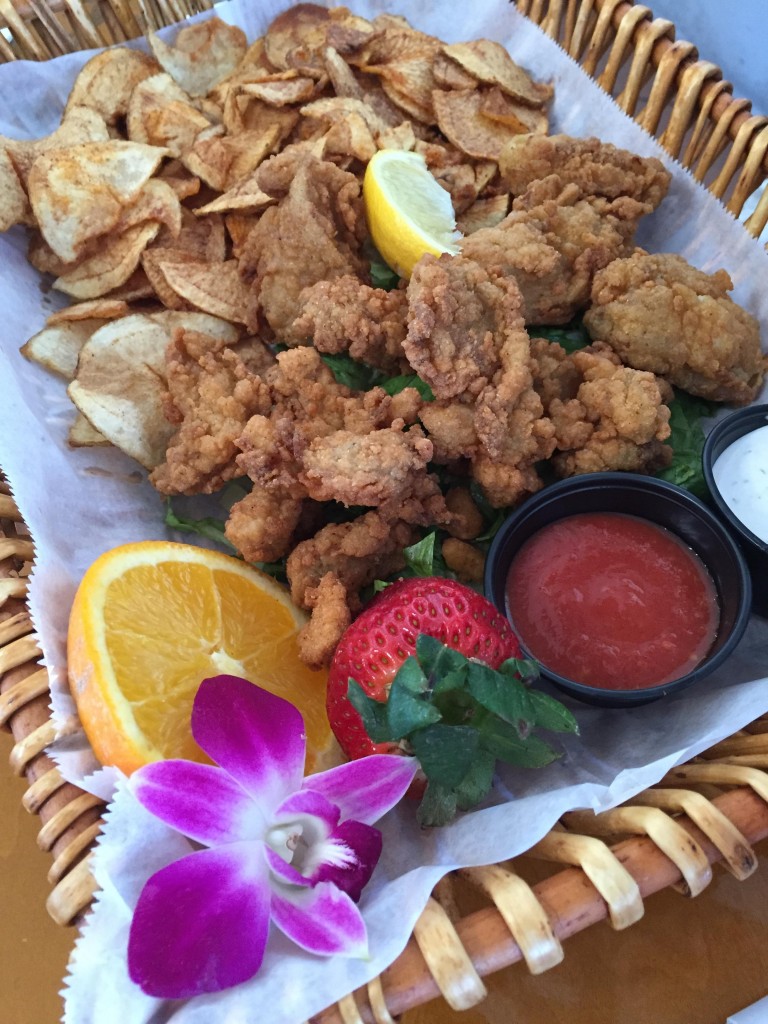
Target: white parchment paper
[(81, 503)]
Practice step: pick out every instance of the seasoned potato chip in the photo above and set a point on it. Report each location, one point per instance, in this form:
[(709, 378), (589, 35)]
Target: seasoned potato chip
[(489, 62), (449, 75), (174, 127), (460, 119), (203, 323), (79, 125), (281, 93), (522, 119), (351, 137), (43, 258), (151, 261), (209, 159), (400, 137), (101, 309), (214, 288), (201, 55), (58, 346), (297, 37), (110, 266), (403, 60), (135, 289), (83, 435), (120, 385), (106, 81), (80, 192), (156, 201), (336, 109), (181, 181), (153, 94), (203, 237), (483, 213), (415, 110), (239, 226), (249, 149), (245, 196), (14, 205)]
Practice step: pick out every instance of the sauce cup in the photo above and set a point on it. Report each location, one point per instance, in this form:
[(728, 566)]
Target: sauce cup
[(721, 444), (658, 502)]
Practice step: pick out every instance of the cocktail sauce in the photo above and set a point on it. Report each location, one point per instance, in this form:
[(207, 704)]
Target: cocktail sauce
[(613, 601)]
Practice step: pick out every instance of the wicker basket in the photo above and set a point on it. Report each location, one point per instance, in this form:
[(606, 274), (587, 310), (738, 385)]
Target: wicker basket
[(712, 810)]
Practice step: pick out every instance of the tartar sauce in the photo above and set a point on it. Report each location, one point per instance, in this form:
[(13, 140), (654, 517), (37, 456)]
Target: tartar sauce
[(741, 475)]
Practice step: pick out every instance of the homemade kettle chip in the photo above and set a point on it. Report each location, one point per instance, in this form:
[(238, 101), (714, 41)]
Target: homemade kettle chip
[(201, 55)]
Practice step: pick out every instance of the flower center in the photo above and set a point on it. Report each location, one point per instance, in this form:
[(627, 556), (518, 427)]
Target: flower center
[(285, 840)]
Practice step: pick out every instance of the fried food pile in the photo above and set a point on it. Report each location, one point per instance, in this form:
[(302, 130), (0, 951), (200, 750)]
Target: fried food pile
[(203, 208)]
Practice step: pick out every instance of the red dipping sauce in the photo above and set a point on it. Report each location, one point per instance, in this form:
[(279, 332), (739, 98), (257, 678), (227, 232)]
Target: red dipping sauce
[(612, 601)]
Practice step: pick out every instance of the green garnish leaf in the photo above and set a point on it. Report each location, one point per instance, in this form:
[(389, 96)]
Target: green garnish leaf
[(395, 385), (351, 373), (571, 336), (503, 695), (372, 712), (444, 668), (446, 752), (549, 713), (476, 784), (438, 805), (383, 276), (503, 741), (420, 557), (209, 527), (687, 441)]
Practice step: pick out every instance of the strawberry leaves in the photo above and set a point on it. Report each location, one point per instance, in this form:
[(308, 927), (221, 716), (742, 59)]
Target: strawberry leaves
[(458, 716)]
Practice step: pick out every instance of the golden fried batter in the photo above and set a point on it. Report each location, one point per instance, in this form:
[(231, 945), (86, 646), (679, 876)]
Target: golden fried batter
[(661, 314)]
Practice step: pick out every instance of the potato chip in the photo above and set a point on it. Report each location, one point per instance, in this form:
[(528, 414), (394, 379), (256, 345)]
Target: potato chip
[(79, 125), (14, 205), (489, 61), (297, 37), (174, 126), (239, 226), (106, 81), (522, 119), (201, 55), (120, 385), (338, 108), (460, 119), (245, 196), (249, 149), (281, 93), (80, 192), (110, 266), (341, 75), (57, 347), (400, 137), (203, 237), (181, 181), (203, 323), (136, 289), (403, 60), (483, 213), (214, 288), (100, 309), (209, 159), (153, 94), (43, 258), (449, 75), (156, 201), (351, 137), (408, 104), (151, 261), (83, 435)]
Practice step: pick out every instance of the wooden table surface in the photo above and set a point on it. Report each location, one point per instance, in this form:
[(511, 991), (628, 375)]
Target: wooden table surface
[(687, 962)]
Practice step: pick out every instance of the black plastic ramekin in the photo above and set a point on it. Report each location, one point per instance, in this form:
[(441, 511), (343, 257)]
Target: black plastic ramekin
[(658, 502)]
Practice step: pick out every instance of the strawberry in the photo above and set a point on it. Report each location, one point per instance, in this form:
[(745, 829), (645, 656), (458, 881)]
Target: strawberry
[(432, 668)]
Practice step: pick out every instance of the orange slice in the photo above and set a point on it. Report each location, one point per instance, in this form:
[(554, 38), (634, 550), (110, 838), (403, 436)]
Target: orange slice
[(151, 620)]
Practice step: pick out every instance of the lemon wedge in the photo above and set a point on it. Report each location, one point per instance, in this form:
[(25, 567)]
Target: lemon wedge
[(408, 212)]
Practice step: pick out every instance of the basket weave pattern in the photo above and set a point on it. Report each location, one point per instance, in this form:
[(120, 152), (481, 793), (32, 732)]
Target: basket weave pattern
[(712, 810)]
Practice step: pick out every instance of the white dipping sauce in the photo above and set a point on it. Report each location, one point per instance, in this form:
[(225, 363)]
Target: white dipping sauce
[(741, 475)]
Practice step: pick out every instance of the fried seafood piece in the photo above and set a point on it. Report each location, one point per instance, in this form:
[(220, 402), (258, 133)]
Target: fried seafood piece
[(262, 524), (346, 315), (552, 243), (618, 419), (312, 234), (554, 373), (342, 558), (663, 315), (464, 324), (598, 168), (212, 394), (384, 469)]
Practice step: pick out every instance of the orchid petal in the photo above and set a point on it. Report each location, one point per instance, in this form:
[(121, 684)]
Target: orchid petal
[(367, 788), (201, 923), (322, 920), (306, 801), (199, 800), (257, 737), (351, 876), (284, 871)]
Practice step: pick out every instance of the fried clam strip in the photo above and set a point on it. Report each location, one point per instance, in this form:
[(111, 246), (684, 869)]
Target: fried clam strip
[(467, 339), (312, 234), (327, 573), (213, 390), (598, 168), (661, 314), (553, 242), (606, 416), (346, 315)]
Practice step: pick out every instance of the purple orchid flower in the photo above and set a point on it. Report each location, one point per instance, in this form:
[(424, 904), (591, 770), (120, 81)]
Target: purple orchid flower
[(277, 846)]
